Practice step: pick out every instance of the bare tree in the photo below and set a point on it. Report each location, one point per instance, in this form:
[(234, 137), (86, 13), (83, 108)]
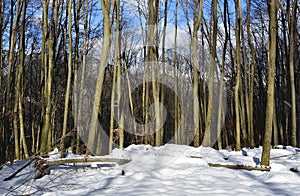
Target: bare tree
[(238, 20), (197, 21), (265, 159), (68, 88), (293, 34), (252, 63), (8, 81), (221, 90), (106, 9)]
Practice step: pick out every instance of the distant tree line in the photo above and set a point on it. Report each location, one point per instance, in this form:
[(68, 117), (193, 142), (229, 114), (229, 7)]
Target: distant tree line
[(72, 68)]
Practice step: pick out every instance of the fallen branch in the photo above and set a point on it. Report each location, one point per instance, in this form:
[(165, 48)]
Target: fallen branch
[(287, 155), (240, 167), (195, 157), (19, 170)]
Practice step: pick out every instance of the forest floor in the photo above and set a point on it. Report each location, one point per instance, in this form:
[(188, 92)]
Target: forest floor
[(166, 170)]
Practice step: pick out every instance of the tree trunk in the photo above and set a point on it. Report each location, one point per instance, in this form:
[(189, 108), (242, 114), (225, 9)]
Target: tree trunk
[(93, 129), (76, 11), (293, 34), (238, 73), (83, 68), (265, 159), (164, 67), (220, 109), (244, 92), (20, 80), (251, 93), (67, 95), (197, 21), (8, 84), (152, 34), (176, 131), (46, 129), (207, 135)]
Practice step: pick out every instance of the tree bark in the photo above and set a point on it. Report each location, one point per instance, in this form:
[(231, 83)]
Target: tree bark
[(265, 159), (220, 105), (93, 129), (293, 34), (176, 119), (83, 68), (251, 93), (164, 66), (207, 137), (76, 11), (67, 95), (8, 84), (46, 129), (20, 80), (197, 21), (238, 73)]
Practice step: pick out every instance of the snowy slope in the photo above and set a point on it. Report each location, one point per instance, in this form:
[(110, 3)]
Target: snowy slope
[(167, 170)]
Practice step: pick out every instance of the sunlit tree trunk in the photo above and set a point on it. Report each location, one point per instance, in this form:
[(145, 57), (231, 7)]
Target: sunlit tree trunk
[(116, 85), (197, 22), (93, 129), (265, 159), (145, 90), (238, 20), (153, 60), (8, 82), (20, 79), (83, 68), (293, 34), (46, 129), (207, 136), (113, 98), (67, 95)]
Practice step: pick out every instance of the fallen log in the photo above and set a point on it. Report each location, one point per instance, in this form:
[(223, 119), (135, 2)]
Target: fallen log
[(81, 160), (43, 165), (240, 167)]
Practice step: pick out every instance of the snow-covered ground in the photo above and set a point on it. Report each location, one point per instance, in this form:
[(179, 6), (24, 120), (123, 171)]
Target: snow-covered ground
[(167, 170)]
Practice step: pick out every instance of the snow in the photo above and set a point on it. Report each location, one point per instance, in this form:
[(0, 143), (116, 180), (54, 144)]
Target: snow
[(167, 170)]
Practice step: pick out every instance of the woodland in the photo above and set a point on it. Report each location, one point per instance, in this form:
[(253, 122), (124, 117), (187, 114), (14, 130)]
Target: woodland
[(89, 76)]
